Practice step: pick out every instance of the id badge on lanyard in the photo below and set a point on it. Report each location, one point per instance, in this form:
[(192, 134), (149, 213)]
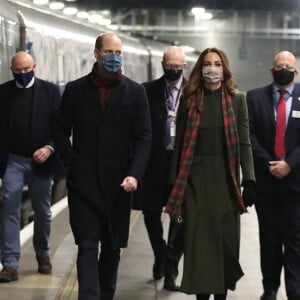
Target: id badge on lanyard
[(172, 129), (172, 114)]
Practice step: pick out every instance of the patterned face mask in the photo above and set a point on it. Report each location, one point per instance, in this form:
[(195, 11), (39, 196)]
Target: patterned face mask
[(212, 74)]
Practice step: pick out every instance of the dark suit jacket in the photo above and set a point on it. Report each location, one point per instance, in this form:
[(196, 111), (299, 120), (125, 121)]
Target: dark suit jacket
[(46, 99), (153, 193), (106, 147), (262, 132)]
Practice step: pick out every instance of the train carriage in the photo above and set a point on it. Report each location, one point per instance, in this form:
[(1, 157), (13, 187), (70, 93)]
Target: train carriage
[(63, 48)]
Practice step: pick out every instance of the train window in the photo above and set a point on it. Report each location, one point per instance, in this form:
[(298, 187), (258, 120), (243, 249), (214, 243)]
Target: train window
[(8, 33)]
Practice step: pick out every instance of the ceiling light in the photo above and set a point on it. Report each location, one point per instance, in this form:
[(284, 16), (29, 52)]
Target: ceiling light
[(82, 15), (70, 11), (56, 5), (206, 16), (196, 11)]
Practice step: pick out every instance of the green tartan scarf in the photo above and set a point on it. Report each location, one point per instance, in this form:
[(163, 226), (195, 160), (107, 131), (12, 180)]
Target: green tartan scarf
[(173, 207)]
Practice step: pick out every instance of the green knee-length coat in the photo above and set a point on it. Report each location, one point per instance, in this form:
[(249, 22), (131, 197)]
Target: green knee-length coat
[(211, 217)]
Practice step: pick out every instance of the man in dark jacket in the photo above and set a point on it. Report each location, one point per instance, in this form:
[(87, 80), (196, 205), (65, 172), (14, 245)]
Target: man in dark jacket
[(163, 96), (27, 156), (274, 115), (108, 116)]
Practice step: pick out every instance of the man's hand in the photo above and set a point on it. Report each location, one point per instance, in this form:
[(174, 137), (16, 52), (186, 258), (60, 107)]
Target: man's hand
[(129, 184), (42, 154), (279, 168)]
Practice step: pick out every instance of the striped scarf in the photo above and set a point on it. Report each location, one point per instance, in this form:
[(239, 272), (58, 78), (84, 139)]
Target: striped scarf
[(174, 204)]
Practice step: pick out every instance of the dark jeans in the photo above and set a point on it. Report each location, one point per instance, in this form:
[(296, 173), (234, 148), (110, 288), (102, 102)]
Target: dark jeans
[(19, 172), (97, 275)]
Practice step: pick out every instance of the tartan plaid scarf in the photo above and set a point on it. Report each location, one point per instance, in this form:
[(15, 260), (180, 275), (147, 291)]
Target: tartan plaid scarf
[(174, 204)]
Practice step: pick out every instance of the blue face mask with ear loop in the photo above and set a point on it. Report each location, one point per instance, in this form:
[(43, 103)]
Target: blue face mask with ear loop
[(24, 78), (112, 62)]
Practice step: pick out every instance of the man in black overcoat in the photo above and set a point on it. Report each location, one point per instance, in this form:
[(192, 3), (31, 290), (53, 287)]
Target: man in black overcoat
[(104, 137), (164, 97)]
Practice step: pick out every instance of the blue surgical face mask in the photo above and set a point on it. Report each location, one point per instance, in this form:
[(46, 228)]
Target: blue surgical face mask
[(112, 62), (24, 78)]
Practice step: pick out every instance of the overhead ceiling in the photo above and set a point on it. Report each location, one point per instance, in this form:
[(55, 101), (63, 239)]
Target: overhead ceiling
[(186, 4)]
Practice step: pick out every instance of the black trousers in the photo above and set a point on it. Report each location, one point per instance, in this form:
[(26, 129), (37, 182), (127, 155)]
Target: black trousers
[(97, 274), (216, 297), (279, 233), (170, 252), (167, 253)]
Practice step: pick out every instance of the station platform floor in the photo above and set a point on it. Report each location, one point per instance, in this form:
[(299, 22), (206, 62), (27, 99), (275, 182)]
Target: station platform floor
[(135, 273)]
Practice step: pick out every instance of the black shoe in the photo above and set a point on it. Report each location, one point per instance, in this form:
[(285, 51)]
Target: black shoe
[(269, 295), (44, 265), (158, 269), (170, 285)]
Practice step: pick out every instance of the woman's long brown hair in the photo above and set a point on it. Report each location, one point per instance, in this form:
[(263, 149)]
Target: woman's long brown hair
[(195, 84)]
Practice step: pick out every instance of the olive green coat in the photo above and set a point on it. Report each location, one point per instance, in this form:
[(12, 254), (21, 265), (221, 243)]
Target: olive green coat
[(211, 217)]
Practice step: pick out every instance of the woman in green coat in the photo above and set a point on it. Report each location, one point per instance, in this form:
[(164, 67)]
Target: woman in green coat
[(212, 146)]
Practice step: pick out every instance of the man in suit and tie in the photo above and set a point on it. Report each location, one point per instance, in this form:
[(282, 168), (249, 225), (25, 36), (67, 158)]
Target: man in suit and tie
[(163, 96), (27, 156), (274, 116)]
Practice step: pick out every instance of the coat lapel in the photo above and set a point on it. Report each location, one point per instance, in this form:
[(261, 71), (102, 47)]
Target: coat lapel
[(37, 92), (270, 104), (161, 95), (91, 97), (116, 96)]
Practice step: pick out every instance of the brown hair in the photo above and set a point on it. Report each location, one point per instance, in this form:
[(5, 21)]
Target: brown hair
[(195, 85), (100, 38)]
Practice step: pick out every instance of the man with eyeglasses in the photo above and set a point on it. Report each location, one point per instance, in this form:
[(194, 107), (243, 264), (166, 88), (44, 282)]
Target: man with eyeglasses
[(108, 116), (274, 116), (164, 97)]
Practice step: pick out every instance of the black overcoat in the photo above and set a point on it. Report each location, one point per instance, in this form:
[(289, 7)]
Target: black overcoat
[(154, 192), (45, 103), (105, 148)]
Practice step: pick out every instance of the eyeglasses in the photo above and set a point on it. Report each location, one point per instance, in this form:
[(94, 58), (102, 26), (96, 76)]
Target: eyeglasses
[(176, 67), (283, 66)]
